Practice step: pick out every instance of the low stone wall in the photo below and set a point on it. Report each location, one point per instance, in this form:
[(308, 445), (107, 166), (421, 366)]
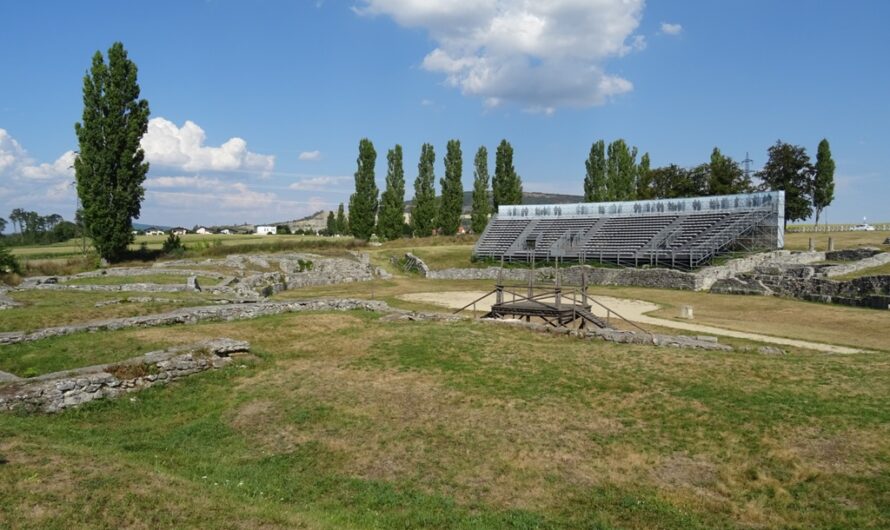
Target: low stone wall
[(60, 390), (803, 283), (623, 337), (660, 278), (708, 276), (852, 254), (193, 315), (875, 260), (128, 287), (6, 302)]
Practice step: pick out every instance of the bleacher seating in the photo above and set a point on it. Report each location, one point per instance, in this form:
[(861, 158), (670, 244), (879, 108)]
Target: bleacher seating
[(682, 233)]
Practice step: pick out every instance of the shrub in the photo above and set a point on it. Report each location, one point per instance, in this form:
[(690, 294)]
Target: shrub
[(8, 263), (173, 245)]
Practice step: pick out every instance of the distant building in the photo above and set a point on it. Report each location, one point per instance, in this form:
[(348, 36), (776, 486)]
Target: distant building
[(179, 231), (154, 232), (203, 231), (266, 230), (226, 232)]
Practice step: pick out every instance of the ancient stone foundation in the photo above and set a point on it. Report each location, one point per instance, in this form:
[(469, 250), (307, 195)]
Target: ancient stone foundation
[(70, 388)]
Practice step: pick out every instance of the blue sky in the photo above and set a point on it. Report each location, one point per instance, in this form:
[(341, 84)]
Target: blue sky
[(258, 107)]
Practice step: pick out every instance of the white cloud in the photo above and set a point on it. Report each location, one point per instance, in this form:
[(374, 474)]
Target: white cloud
[(541, 55), (310, 155), (183, 182), (167, 145), (17, 164), (671, 29), (319, 183)]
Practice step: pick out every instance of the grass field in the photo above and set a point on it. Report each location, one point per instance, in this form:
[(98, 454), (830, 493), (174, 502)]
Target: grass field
[(842, 240), (43, 309), (350, 420), (347, 421)]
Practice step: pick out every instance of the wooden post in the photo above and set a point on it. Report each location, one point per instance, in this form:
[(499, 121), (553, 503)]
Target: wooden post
[(584, 286), (558, 287), (531, 278)]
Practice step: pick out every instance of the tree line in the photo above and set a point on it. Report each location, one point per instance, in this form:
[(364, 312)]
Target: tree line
[(430, 213), (32, 228), (614, 174)]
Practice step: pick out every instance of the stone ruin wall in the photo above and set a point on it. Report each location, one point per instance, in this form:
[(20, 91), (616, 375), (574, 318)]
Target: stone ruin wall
[(61, 390)]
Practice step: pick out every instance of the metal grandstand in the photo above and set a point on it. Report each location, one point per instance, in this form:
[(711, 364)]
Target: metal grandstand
[(676, 233)]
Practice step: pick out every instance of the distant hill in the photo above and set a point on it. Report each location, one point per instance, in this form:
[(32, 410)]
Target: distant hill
[(528, 197), (142, 227)]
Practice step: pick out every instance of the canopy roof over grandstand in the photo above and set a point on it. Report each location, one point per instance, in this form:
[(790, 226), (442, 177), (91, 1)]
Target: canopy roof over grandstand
[(686, 232)]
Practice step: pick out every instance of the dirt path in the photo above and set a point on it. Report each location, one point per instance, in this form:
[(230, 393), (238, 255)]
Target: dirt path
[(634, 310)]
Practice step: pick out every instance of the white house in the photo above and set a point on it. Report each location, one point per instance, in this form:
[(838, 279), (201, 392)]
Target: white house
[(225, 232), (266, 230), (154, 232), (179, 231), (203, 231)]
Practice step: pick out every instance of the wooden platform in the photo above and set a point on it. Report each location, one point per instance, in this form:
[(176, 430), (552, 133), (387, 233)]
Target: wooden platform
[(549, 311)]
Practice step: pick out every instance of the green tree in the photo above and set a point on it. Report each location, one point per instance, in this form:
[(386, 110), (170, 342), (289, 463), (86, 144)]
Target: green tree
[(111, 167), (823, 182), (726, 176), (331, 223), (423, 215), (506, 185), (392, 203), (342, 221), (8, 263), (363, 203), (452, 203), (595, 177), (644, 179), (788, 169), (621, 171), (481, 195), (2, 225), (16, 217)]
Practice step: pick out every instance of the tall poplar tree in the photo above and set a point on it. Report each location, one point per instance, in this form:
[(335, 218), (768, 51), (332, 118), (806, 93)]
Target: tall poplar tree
[(620, 172), (331, 224), (644, 179), (481, 195), (452, 203), (342, 221), (823, 183), (392, 203), (506, 185), (111, 167), (788, 169), (363, 203), (595, 178), (423, 215)]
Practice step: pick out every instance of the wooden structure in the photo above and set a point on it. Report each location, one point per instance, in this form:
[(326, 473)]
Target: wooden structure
[(557, 307)]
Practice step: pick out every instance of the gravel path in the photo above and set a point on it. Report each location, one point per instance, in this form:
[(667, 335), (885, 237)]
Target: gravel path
[(634, 310)]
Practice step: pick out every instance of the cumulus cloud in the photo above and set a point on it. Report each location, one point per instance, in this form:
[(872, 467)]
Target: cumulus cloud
[(17, 164), (671, 29), (310, 155), (319, 183), (541, 55), (166, 144)]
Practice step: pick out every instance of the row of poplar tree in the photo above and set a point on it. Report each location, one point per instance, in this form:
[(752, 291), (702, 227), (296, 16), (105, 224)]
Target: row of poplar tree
[(430, 213), (613, 174)]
